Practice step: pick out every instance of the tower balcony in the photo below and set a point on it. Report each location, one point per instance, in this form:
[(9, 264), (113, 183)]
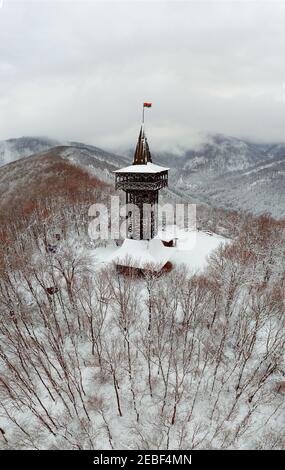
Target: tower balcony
[(148, 177), (141, 181)]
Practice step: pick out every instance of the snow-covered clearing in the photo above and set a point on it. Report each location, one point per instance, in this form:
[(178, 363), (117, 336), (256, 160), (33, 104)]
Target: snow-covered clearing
[(192, 249)]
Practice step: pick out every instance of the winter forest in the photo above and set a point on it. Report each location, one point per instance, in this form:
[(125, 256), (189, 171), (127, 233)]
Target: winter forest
[(91, 359), (159, 126)]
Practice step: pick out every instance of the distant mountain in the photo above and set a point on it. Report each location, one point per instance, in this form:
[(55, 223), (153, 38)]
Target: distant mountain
[(231, 173), (14, 149), (98, 162), (223, 172), (223, 154)]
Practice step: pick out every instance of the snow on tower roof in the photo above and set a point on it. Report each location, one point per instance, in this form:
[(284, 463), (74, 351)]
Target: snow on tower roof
[(148, 168), (142, 253)]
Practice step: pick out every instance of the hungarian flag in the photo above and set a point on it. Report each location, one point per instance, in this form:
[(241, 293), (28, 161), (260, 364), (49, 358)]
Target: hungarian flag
[(147, 105)]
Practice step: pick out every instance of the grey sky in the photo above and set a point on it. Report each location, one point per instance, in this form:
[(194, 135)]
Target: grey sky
[(80, 70)]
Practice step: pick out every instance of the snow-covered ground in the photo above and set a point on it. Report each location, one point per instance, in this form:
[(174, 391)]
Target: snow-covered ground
[(192, 248)]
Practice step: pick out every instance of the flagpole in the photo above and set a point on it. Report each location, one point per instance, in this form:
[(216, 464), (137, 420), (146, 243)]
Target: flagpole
[(143, 115)]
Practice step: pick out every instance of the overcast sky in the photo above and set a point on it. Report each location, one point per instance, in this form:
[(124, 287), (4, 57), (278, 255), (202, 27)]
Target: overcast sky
[(80, 70)]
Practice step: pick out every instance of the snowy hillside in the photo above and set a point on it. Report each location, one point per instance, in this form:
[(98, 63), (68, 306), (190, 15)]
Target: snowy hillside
[(223, 172), (233, 174), (86, 156), (45, 181), (15, 149), (96, 161)]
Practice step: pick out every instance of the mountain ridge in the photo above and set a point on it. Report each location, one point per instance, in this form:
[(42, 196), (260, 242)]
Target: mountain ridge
[(224, 172)]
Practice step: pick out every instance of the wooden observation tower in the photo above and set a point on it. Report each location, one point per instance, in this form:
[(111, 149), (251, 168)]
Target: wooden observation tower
[(141, 182)]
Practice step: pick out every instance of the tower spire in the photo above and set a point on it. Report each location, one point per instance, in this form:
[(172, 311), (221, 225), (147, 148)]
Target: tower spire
[(142, 154)]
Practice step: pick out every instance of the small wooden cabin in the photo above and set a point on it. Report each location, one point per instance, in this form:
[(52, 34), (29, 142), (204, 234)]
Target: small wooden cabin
[(138, 257)]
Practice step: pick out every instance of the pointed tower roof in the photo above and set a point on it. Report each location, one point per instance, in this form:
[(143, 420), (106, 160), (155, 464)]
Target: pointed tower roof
[(142, 154), (142, 159)]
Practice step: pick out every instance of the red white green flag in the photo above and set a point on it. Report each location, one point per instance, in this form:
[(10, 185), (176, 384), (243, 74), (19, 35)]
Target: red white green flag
[(147, 105)]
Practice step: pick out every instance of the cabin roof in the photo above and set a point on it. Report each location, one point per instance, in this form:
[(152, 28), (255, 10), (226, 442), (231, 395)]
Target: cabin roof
[(142, 253)]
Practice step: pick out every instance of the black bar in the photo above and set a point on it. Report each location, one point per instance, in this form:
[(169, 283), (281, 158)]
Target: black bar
[(127, 459)]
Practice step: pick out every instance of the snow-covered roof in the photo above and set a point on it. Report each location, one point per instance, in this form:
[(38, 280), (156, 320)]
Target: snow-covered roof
[(141, 253), (192, 249), (148, 168)]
